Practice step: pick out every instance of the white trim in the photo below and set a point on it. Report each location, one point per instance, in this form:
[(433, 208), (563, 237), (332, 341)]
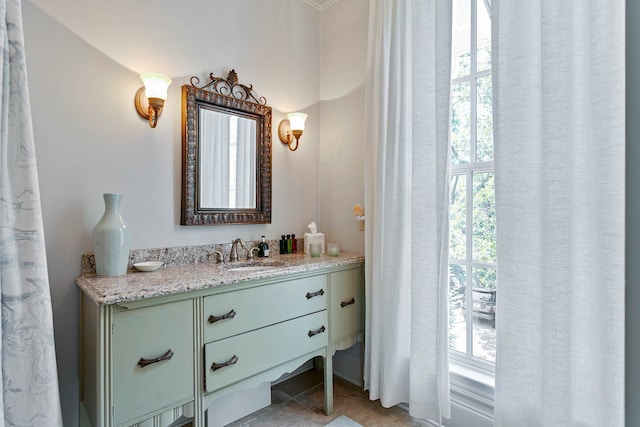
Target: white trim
[(467, 78), (320, 4), (472, 394)]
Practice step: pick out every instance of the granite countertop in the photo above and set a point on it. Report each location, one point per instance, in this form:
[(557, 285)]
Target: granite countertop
[(170, 280)]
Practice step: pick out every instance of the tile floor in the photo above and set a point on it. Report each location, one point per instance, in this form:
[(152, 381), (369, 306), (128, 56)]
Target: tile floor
[(299, 401)]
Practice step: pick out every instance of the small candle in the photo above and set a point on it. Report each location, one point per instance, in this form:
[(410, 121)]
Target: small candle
[(333, 248), (315, 249)]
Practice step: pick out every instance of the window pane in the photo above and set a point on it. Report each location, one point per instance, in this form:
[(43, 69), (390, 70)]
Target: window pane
[(483, 35), (484, 120), (460, 123), (461, 39), (472, 218), (484, 218), (484, 313), (457, 322), (458, 218)]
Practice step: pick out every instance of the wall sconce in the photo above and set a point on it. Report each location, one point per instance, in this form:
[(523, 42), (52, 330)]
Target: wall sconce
[(150, 98), (292, 128)]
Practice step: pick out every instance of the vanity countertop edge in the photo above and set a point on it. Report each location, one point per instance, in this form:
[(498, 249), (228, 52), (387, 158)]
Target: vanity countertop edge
[(172, 280)]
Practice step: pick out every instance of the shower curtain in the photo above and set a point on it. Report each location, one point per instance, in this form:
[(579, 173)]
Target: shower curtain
[(29, 379)]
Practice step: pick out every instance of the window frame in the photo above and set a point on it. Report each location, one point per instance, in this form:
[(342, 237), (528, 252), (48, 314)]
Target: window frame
[(463, 363)]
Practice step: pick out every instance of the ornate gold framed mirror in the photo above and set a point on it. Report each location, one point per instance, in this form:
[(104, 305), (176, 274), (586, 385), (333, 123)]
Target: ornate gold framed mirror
[(226, 153)]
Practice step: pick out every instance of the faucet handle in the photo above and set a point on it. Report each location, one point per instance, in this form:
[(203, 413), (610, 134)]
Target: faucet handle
[(250, 253), (214, 253)]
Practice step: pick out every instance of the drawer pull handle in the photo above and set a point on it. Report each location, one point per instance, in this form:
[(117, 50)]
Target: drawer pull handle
[(344, 304), (215, 366), (229, 315), (319, 331), (145, 362), (315, 294)]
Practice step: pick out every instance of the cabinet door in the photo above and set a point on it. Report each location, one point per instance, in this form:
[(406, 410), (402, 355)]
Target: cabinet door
[(149, 333), (261, 306), (233, 359), (347, 302)]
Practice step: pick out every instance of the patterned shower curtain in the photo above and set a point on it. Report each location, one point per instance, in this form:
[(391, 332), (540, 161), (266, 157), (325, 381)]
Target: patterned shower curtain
[(30, 395)]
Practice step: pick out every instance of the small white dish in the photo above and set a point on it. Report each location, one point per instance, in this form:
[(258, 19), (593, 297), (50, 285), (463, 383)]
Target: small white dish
[(148, 265)]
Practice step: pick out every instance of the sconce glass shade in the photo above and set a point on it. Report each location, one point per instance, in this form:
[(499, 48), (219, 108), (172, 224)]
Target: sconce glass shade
[(149, 100), (296, 121), (155, 85), (290, 129)]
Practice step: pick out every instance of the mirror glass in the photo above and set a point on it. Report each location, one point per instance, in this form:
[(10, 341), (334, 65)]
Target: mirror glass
[(226, 138), (227, 177)]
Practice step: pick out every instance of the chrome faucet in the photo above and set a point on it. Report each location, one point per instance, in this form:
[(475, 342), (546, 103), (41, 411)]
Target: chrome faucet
[(233, 256)]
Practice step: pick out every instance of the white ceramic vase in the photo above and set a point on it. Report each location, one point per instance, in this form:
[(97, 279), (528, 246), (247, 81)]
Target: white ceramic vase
[(111, 239)]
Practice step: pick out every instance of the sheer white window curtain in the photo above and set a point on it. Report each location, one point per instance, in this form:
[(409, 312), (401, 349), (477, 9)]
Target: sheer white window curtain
[(29, 374), (406, 203), (559, 119)]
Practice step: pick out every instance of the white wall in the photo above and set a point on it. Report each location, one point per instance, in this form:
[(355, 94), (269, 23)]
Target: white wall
[(343, 62), (83, 76)]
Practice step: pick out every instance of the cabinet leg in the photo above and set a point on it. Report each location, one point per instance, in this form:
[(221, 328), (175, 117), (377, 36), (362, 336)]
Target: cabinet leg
[(328, 385)]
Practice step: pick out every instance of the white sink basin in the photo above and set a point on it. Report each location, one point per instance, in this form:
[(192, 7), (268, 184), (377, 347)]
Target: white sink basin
[(249, 268)]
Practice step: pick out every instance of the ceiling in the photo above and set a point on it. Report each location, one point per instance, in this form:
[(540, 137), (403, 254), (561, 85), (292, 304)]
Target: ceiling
[(116, 29)]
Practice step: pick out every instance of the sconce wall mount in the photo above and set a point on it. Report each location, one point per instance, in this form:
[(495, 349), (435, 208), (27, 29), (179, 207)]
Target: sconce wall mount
[(149, 99), (291, 129)]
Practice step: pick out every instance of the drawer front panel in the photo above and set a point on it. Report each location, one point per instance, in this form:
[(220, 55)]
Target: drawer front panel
[(254, 308), (253, 352), (149, 333), (347, 302)]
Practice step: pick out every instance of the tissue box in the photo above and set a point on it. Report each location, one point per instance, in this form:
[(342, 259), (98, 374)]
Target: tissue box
[(313, 238)]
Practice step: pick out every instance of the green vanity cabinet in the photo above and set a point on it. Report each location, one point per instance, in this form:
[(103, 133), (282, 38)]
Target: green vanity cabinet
[(260, 306), (138, 362), (152, 359), (161, 359), (259, 350), (252, 330), (346, 307)]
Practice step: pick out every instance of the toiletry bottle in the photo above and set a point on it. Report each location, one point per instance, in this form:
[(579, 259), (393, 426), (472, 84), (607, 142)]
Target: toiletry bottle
[(263, 248), (294, 244), (289, 245), (283, 245)]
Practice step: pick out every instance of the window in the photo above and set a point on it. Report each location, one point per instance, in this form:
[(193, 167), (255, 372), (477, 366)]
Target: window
[(472, 236)]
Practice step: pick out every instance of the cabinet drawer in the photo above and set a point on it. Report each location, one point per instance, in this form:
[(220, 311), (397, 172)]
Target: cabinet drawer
[(149, 333), (347, 302), (262, 306), (262, 349)]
